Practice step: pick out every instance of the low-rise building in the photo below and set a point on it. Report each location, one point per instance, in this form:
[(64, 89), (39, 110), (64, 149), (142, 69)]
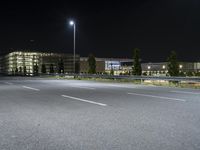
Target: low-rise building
[(161, 68), (105, 65)]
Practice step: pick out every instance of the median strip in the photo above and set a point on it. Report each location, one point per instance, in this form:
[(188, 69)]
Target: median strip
[(84, 100), (160, 97), (30, 88)]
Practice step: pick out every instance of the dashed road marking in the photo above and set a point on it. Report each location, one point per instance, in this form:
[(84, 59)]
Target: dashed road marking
[(30, 88), (185, 92), (84, 100), (83, 87), (160, 97)]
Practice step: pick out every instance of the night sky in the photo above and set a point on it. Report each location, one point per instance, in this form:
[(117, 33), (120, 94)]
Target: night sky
[(106, 29)]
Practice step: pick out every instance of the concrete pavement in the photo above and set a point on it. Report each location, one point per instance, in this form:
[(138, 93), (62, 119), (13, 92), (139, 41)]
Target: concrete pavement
[(86, 115)]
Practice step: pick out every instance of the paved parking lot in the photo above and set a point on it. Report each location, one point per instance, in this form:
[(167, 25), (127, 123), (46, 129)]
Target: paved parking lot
[(46, 114)]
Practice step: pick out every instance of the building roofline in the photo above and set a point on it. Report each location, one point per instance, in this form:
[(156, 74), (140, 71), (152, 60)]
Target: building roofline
[(108, 59), (33, 51)]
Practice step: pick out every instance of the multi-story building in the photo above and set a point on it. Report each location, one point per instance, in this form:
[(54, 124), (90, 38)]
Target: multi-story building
[(20, 62)]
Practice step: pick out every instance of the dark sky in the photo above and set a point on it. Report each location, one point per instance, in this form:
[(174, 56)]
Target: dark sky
[(105, 28)]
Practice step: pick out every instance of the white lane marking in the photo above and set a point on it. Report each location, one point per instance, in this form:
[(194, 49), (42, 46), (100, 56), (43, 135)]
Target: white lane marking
[(160, 97), (84, 100), (30, 88), (118, 86), (9, 83), (83, 87), (183, 92)]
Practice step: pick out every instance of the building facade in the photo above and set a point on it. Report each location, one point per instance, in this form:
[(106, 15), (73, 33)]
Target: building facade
[(1, 64), (161, 69), (84, 67), (105, 65), (23, 63)]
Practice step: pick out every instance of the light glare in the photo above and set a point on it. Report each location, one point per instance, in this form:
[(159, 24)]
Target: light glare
[(71, 23)]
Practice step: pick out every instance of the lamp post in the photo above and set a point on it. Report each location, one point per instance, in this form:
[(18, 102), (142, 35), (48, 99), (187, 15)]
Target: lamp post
[(72, 23)]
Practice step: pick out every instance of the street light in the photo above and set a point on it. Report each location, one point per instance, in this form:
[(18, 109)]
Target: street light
[(163, 66), (72, 23)]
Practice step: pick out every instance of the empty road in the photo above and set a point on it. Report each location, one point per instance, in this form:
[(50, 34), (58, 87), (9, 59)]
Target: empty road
[(47, 114)]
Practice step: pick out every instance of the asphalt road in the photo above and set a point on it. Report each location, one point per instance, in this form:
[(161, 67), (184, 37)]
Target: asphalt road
[(38, 114)]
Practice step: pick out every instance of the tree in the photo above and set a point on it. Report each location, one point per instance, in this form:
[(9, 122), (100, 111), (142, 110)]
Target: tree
[(189, 73), (25, 71), (77, 67), (137, 69), (20, 70), (144, 74), (92, 64), (61, 66), (173, 65), (16, 71), (51, 68), (43, 70), (35, 70), (112, 72), (197, 74), (182, 74), (13, 73)]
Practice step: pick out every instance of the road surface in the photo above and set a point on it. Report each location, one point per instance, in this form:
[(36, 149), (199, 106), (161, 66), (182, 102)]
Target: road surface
[(47, 114)]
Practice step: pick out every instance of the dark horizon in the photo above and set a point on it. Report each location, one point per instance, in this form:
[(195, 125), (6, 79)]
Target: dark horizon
[(106, 29)]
